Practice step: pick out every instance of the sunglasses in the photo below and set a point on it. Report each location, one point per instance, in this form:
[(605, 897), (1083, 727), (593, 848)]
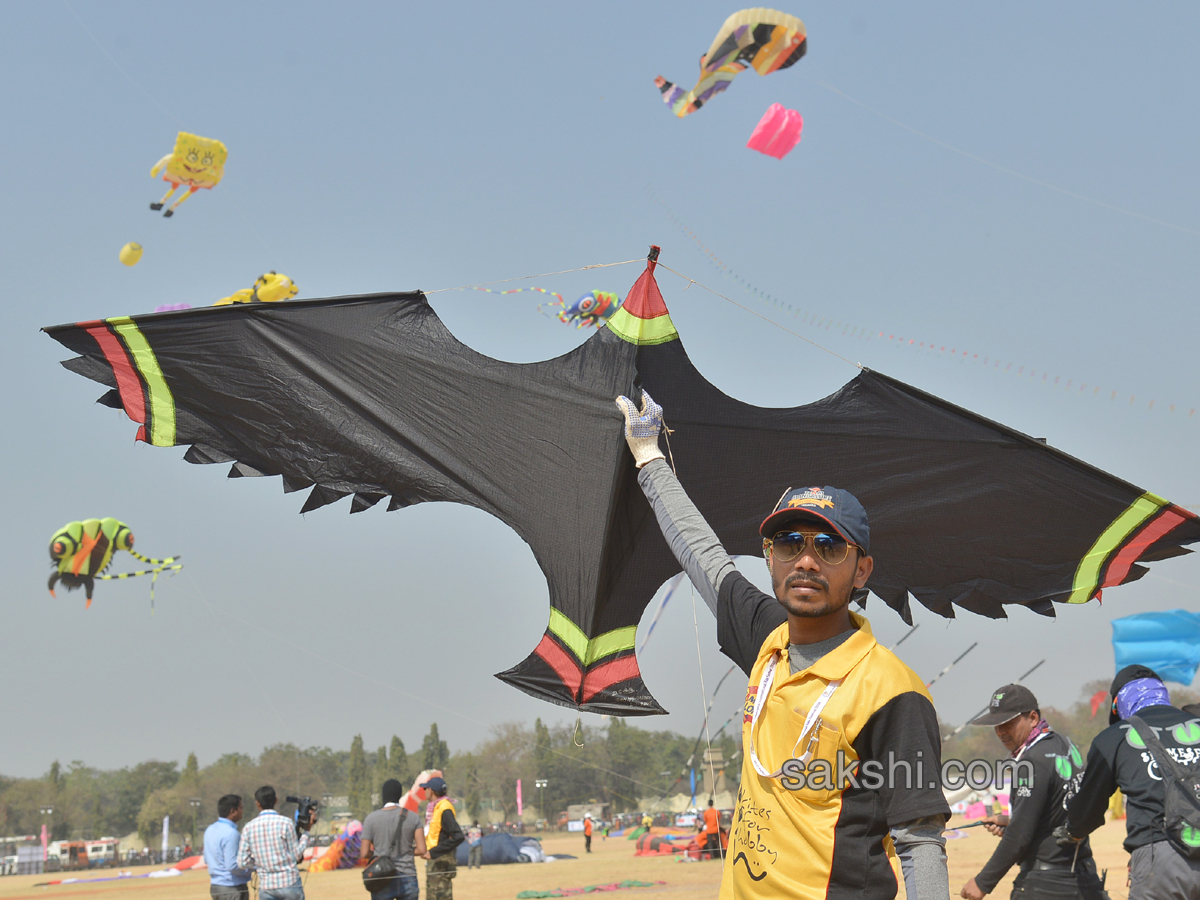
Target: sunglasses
[(787, 545)]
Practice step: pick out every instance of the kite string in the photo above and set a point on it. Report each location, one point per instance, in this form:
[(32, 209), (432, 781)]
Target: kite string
[(987, 162), (692, 281), (712, 777), (482, 284)]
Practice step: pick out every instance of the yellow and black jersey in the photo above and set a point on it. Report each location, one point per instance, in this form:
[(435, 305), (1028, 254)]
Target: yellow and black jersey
[(873, 760)]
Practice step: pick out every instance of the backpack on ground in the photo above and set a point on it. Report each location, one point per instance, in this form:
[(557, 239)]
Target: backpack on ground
[(382, 869), (1181, 789)]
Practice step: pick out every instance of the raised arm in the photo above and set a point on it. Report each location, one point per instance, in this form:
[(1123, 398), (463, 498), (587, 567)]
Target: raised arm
[(689, 536)]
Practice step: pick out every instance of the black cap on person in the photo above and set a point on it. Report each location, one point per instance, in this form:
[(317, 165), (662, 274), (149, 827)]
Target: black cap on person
[(1006, 704)]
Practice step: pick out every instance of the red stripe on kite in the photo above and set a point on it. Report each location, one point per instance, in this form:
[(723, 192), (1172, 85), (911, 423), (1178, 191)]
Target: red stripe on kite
[(128, 384), (645, 300), (605, 676), (556, 658), (1119, 568)]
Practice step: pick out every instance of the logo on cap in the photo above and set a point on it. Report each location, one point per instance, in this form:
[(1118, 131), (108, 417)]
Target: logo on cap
[(996, 698), (811, 497)]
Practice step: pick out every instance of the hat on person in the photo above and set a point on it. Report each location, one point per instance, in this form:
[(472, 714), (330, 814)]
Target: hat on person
[(1006, 704), (436, 784), (1126, 675), (392, 791), (837, 508), (587, 815)]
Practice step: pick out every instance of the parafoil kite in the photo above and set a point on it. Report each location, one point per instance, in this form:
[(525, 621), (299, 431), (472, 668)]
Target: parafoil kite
[(81, 552), (130, 254), (593, 308), (766, 39), (195, 163), (269, 288), (777, 132), (1167, 642), (372, 397)]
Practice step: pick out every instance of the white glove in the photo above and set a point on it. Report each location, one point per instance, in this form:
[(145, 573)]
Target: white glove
[(642, 428)]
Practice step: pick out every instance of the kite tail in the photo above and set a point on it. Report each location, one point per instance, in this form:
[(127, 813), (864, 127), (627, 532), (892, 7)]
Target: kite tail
[(53, 581), (153, 562), (560, 315), (155, 572), (672, 93)]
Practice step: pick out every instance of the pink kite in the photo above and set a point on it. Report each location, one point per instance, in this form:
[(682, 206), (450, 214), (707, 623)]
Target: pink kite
[(777, 132)]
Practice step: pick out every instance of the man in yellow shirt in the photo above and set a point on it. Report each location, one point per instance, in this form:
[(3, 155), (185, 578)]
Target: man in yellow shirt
[(840, 739)]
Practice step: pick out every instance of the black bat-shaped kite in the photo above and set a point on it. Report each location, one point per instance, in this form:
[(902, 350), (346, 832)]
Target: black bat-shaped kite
[(372, 396)]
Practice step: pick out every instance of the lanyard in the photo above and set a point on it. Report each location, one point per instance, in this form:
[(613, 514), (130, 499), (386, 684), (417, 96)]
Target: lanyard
[(765, 685)]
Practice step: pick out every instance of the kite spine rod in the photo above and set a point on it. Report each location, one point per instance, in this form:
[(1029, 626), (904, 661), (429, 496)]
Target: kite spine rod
[(907, 634), (951, 666), (985, 709)]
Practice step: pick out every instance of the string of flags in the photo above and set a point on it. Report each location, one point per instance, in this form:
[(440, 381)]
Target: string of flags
[(846, 329)]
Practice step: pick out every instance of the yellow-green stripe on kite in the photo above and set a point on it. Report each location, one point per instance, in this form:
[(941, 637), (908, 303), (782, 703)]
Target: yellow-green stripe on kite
[(588, 651), (640, 331), (162, 401), (1087, 576), (569, 633), (611, 642)]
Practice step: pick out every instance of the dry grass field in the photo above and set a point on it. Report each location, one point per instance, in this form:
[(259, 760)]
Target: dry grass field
[(610, 861)]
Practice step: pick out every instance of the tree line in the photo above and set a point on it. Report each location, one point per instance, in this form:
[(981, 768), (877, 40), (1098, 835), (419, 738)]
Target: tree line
[(616, 763)]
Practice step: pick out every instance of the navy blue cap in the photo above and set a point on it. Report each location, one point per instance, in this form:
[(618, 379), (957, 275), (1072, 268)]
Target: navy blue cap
[(436, 784), (837, 508)]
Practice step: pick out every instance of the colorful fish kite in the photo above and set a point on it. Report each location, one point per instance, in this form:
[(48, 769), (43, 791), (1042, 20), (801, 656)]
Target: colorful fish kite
[(195, 163), (372, 397), (81, 552), (593, 308), (766, 39), (269, 288), (590, 309), (777, 132)]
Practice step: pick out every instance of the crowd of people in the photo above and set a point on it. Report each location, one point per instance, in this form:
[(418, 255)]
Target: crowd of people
[(270, 847)]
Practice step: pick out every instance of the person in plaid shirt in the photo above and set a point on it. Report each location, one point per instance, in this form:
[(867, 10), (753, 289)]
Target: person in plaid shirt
[(270, 846)]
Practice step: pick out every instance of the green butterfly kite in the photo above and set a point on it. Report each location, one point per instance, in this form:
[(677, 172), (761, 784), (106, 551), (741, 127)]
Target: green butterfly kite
[(82, 551)]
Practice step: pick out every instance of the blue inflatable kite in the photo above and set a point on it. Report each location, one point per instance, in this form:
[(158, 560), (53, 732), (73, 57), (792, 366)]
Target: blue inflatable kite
[(1167, 642)]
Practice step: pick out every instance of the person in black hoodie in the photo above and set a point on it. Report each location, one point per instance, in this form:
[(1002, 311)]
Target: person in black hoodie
[(1038, 804), (1118, 758)]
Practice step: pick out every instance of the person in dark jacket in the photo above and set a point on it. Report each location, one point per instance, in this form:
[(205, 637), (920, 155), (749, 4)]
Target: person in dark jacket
[(1118, 758), (1047, 766), (443, 837)]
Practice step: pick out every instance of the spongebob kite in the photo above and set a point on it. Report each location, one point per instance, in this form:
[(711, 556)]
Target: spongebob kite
[(269, 288), (196, 162)]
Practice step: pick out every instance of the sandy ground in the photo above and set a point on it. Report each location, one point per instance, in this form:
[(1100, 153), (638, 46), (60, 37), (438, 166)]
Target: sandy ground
[(611, 860)]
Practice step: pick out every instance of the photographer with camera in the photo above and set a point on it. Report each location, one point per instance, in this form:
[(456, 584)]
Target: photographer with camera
[(272, 845), (391, 837)]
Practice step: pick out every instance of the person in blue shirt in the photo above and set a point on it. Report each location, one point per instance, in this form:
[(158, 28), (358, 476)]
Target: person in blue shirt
[(221, 841)]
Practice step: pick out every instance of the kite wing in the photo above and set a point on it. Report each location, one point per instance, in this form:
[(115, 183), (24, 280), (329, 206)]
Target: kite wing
[(373, 397), (766, 39)]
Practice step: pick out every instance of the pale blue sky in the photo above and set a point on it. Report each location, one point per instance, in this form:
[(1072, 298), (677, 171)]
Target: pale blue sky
[(392, 146)]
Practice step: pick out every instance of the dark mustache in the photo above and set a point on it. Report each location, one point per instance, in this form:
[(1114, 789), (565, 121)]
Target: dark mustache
[(805, 578)]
